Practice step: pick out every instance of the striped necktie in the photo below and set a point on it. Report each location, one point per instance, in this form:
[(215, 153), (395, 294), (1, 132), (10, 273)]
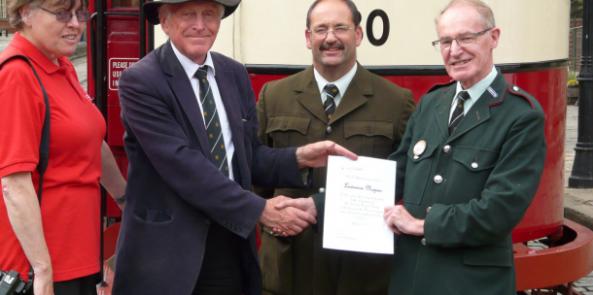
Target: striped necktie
[(462, 96), (331, 92), (212, 122)]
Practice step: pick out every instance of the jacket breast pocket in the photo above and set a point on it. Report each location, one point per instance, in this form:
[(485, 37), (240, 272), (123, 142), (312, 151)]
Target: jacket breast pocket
[(475, 159), (418, 173), (471, 166), (371, 138), (288, 131)]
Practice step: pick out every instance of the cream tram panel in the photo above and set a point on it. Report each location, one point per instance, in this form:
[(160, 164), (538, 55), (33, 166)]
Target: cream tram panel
[(273, 32)]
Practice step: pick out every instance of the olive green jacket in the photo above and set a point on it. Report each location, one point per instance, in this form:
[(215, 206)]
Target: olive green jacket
[(471, 187), (370, 120)]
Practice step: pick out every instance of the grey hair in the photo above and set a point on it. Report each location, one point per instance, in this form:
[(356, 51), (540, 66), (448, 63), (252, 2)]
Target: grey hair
[(482, 8)]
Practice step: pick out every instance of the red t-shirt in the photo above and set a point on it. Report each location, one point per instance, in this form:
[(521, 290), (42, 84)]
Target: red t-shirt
[(71, 196)]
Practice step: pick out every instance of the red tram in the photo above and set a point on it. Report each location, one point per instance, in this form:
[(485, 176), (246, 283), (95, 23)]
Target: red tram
[(532, 54)]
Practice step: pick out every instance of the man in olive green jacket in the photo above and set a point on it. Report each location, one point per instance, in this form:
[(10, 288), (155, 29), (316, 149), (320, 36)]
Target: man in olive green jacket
[(468, 167), (368, 116)]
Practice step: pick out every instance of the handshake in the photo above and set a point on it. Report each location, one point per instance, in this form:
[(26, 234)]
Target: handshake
[(285, 217)]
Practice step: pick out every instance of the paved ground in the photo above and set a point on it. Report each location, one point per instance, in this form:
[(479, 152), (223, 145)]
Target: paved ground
[(578, 203)]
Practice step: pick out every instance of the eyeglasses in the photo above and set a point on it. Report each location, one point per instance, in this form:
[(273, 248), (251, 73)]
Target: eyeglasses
[(462, 40), (65, 16), (321, 32)]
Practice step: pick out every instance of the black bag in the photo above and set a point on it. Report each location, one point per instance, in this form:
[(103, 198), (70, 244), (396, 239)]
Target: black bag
[(10, 281)]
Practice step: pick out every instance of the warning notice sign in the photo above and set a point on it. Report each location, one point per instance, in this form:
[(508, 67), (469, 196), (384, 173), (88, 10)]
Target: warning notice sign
[(116, 67)]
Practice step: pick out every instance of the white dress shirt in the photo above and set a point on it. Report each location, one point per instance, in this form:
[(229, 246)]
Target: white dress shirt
[(190, 68)]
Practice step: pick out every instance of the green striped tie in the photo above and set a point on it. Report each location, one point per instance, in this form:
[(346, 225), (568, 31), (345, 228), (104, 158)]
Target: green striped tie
[(212, 122), (331, 92)]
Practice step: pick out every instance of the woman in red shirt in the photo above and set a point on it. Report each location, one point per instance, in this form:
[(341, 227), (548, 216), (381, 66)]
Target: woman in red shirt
[(59, 239)]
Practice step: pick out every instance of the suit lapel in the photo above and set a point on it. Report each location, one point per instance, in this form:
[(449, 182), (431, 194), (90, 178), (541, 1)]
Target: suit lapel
[(480, 111), (225, 79), (307, 94), (443, 106), (356, 95), (181, 87)]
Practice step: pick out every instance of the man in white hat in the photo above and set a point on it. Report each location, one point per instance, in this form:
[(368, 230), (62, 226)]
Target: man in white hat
[(189, 114)]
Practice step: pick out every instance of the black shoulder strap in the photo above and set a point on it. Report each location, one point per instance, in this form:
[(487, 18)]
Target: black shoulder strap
[(44, 146)]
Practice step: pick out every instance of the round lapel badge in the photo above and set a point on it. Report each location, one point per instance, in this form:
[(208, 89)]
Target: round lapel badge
[(419, 148)]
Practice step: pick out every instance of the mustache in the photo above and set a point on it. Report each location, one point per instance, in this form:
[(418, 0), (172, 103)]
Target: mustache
[(326, 46)]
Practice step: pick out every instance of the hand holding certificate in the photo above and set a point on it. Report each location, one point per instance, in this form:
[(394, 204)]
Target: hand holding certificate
[(356, 194)]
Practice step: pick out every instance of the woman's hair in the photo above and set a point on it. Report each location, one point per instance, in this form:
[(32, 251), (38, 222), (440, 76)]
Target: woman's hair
[(15, 18)]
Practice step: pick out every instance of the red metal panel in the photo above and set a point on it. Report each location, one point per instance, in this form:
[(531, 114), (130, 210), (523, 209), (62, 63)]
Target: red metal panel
[(122, 52), (544, 216), (122, 48)]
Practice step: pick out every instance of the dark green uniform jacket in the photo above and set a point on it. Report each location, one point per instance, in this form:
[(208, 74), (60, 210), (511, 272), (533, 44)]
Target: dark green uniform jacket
[(370, 120), (471, 187)]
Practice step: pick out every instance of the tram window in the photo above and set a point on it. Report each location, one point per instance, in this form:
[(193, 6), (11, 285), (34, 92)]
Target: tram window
[(125, 3)]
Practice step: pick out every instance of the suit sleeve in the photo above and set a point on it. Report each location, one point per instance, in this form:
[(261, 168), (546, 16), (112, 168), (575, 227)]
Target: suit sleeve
[(149, 116), (508, 192)]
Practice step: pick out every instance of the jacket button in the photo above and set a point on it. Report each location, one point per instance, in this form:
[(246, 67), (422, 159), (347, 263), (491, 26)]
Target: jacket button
[(322, 190), (474, 165), (328, 129), (437, 179), (428, 209), (423, 241), (446, 149)]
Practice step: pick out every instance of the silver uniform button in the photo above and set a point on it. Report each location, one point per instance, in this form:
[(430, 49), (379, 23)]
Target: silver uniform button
[(515, 88), (423, 241), (328, 129), (437, 179), (475, 165), (416, 157), (322, 190), (446, 149)]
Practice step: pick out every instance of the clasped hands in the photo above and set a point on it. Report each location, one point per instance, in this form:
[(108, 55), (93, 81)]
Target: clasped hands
[(283, 216)]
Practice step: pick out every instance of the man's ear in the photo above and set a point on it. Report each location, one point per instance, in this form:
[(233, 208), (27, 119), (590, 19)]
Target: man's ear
[(308, 38), (495, 36), (164, 21), (359, 35)]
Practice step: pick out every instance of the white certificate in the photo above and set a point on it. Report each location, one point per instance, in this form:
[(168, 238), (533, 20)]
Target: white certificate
[(355, 195)]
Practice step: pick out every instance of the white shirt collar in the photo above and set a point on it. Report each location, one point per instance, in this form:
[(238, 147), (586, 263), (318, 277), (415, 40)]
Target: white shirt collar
[(342, 83), (189, 66), (479, 88)]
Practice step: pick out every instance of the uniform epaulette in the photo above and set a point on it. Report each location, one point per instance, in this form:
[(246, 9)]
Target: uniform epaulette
[(440, 85), (521, 93)]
